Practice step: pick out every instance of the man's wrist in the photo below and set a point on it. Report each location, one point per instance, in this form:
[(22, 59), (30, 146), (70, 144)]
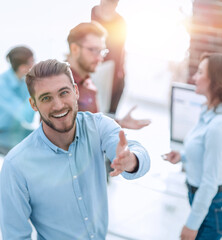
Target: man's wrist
[(136, 166)]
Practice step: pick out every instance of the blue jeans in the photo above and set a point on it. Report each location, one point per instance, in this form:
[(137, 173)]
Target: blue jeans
[(211, 228)]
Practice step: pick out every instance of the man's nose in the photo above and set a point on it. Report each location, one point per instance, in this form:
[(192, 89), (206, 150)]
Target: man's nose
[(58, 104)]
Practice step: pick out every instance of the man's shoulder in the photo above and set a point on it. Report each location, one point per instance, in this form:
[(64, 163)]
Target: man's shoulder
[(27, 147), (97, 122), (87, 116)]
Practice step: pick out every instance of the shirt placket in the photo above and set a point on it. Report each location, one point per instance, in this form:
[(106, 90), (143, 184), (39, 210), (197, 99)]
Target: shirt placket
[(78, 193)]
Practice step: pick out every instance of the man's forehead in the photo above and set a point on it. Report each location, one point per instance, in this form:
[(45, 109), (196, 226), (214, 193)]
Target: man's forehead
[(52, 84), (94, 39)]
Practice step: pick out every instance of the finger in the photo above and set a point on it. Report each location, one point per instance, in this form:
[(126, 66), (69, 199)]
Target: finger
[(115, 173), (132, 109), (144, 121), (117, 167), (122, 139), (123, 154), (116, 164), (164, 157)]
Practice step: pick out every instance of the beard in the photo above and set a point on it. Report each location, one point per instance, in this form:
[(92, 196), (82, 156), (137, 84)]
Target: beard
[(65, 128), (89, 68)]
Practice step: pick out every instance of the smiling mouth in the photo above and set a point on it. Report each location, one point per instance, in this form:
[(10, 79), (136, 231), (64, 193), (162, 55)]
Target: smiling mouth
[(60, 115)]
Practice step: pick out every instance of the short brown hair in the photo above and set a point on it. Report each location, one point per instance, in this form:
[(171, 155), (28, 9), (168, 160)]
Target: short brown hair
[(18, 56), (214, 74), (48, 68), (78, 33)]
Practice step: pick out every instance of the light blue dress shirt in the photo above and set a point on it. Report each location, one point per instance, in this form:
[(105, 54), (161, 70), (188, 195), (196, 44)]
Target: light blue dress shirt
[(15, 110), (202, 158), (62, 192)]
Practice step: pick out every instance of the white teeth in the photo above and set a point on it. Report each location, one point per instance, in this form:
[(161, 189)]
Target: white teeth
[(60, 115)]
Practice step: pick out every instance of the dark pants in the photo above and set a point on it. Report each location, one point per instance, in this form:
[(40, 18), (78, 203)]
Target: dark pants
[(211, 228), (118, 87)]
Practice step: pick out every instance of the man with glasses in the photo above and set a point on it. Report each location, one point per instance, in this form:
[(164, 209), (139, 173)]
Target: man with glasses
[(87, 49)]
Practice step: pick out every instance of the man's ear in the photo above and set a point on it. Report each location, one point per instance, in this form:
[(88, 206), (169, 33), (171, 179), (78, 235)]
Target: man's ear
[(33, 105), (74, 48), (76, 91)]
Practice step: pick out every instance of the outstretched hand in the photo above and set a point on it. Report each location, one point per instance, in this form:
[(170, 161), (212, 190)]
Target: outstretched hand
[(125, 160), (173, 157), (131, 123)]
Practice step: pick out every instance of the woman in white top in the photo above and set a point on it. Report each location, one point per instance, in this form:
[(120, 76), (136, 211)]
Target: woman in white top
[(202, 156)]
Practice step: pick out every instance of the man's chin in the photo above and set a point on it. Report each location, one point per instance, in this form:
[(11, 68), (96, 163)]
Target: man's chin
[(63, 130)]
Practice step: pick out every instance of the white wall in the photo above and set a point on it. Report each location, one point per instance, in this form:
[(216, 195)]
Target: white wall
[(42, 25)]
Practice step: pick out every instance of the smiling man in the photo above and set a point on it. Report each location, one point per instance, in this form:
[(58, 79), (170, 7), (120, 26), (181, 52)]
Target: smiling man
[(56, 177)]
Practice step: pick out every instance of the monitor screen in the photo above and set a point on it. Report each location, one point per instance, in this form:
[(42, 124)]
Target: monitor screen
[(184, 110)]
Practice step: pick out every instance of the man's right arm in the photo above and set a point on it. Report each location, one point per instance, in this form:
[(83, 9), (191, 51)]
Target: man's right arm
[(109, 133), (15, 207)]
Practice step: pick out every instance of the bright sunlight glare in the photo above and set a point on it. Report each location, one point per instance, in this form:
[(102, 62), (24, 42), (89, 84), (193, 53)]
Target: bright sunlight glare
[(158, 30)]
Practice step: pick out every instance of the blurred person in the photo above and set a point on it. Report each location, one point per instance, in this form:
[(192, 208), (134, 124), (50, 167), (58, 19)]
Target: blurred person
[(15, 111), (56, 176), (87, 50), (202, 156), (105, 13)]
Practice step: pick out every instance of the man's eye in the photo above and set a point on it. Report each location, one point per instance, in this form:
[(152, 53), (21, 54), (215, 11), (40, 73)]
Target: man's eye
[(64, 93), (45, 99)]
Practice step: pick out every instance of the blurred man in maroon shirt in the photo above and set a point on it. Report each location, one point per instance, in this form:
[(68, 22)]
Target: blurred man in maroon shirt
[(87, 49)]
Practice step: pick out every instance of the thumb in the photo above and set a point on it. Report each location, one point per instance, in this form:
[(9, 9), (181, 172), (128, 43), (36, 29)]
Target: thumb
[(132, 109), (122, 139)]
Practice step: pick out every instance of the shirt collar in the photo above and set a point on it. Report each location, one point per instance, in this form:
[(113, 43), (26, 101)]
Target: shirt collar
[(52, 145), (207, 115)]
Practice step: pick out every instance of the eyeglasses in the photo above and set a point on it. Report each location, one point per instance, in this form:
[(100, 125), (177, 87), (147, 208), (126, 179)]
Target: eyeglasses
[(96, 51)]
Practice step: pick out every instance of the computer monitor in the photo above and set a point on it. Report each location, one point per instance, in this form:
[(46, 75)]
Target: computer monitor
[(184, 110)]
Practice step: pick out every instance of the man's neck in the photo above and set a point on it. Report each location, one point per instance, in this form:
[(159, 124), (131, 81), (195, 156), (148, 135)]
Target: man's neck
[(61, 140)]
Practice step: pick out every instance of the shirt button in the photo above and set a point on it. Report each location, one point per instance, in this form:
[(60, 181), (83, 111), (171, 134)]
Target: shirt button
[(92, 236), (80, 198), (70, 154), (90, 100), (75, 177), (86, 218)]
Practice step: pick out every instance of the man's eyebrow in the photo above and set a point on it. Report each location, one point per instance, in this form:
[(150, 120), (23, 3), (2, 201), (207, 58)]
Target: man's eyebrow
[(64, 88), (47, 93), (44, 94)]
